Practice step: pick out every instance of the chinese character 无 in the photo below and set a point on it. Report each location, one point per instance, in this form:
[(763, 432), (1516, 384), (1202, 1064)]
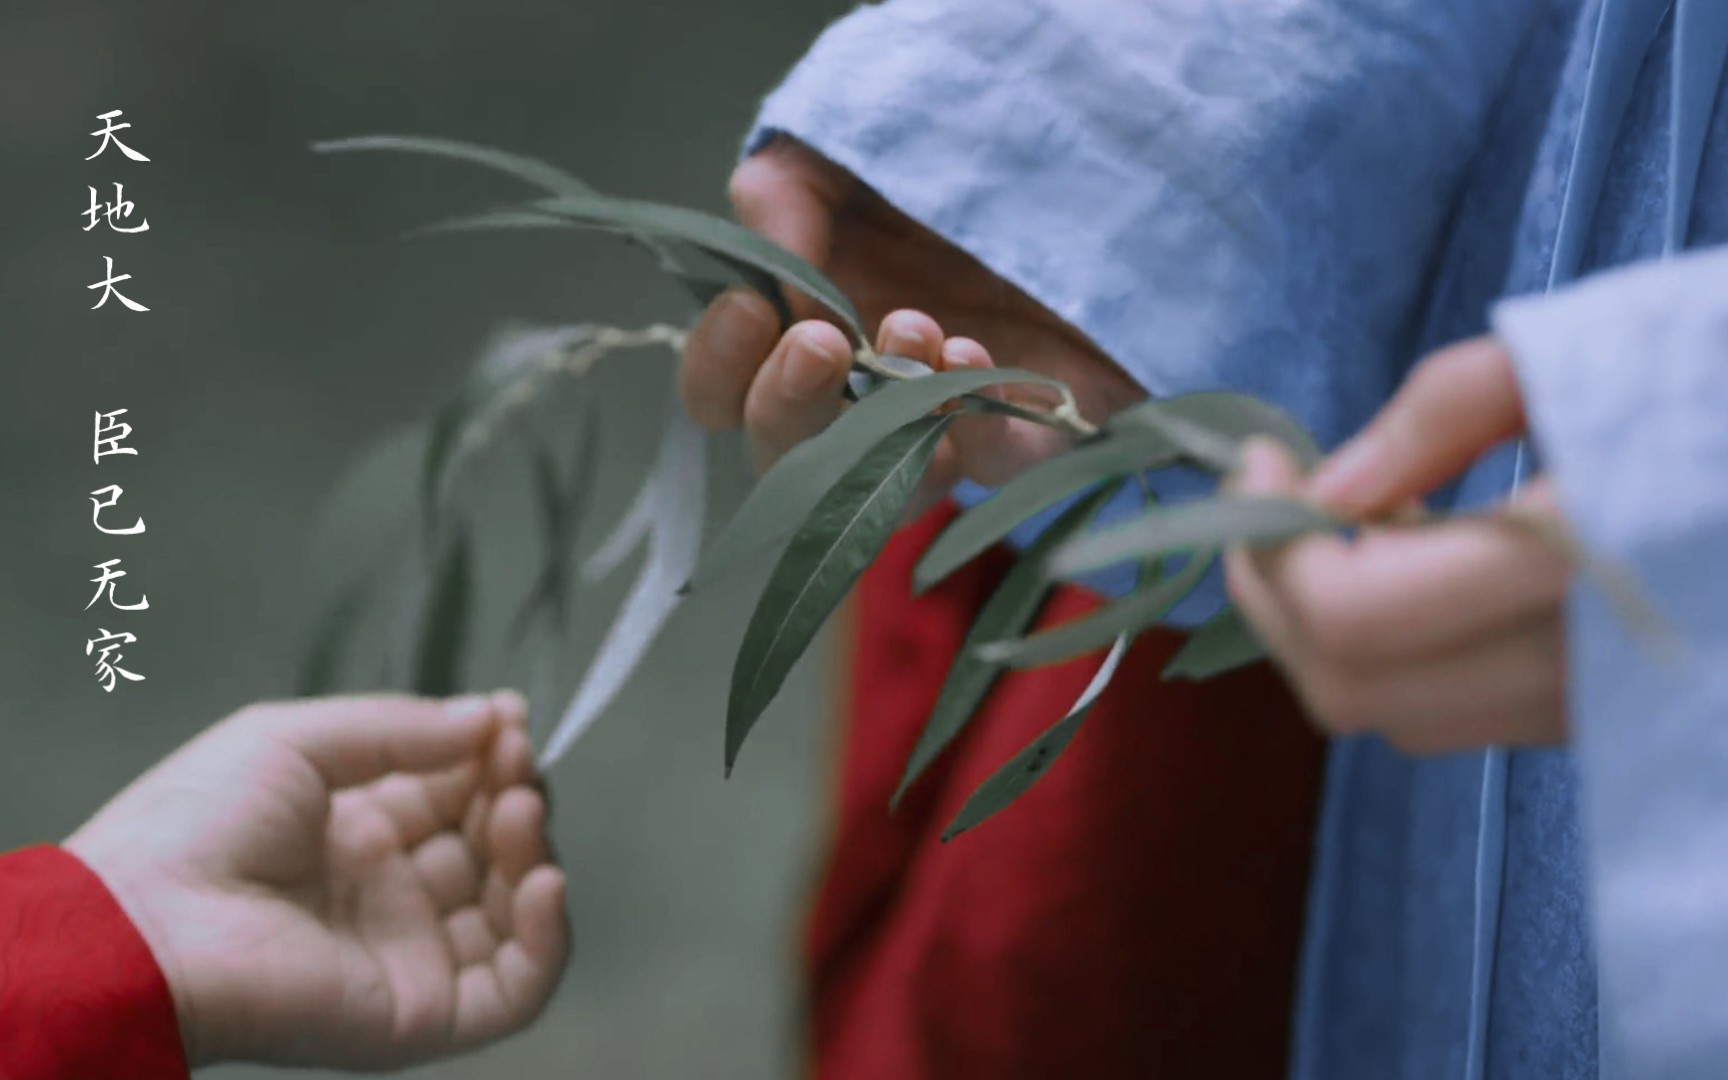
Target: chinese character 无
[(110, 581), (108, 669), (115, 212), (104, 498), (110, 433), (107, 134), (108, 289)]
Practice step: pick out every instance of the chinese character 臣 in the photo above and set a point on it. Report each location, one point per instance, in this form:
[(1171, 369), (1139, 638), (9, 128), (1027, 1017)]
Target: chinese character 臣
[(110, 433)]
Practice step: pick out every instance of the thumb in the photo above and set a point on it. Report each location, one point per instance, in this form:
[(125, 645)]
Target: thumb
[(355, 740), (1455, 406)]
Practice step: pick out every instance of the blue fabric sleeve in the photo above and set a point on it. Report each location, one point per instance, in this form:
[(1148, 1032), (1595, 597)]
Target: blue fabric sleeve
[(1625, 379), (1223, 194)]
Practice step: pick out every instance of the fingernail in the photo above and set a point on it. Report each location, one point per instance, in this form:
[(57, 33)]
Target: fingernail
[(510, 703), (962, 352), (469, 707), (812, 365), (1340, 478)]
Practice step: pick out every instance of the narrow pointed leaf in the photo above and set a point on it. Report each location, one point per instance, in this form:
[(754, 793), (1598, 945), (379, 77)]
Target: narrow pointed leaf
[(1209, 426), (842, 535), (1009, 611), (703, 283), (1039, 488), (1142, 609), (1029, 765), (548, 590), (442, 634), (549, 178), (1225, 643), (679, 487), (713, 234), (787, 492), (559, 506), (625, 537), (1253, 520)]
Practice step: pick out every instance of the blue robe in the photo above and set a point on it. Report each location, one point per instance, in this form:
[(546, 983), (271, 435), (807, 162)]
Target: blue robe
[(1297, 199)]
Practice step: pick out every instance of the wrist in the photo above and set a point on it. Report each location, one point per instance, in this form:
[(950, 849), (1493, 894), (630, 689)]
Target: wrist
[(140, 894)]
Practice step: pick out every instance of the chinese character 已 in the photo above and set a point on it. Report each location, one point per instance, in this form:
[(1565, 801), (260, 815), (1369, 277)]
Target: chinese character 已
[(99, 504)]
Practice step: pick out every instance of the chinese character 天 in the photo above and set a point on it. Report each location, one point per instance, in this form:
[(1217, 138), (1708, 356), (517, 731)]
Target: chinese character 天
[(108, 134)]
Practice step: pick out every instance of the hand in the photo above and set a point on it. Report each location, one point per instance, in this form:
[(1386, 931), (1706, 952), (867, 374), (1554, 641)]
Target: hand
[(739, 370), (353, 883), (1439, 638)]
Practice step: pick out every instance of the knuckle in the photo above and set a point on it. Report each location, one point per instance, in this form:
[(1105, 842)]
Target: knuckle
[(751, 180)]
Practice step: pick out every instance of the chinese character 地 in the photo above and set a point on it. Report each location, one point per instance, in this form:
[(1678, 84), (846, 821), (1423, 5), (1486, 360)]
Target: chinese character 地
[(110, 433), (110, 581), (114, 212), (108, 289), (99, 504), (107, 134), (108, 669)]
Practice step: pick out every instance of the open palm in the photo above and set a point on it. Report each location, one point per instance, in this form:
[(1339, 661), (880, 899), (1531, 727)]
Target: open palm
[(360, 883)]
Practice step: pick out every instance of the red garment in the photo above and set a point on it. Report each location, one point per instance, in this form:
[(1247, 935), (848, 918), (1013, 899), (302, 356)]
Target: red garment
[(1135, 914), (81, 997)]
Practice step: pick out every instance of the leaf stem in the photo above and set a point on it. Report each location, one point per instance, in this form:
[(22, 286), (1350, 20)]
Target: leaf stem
[(1065, 417)]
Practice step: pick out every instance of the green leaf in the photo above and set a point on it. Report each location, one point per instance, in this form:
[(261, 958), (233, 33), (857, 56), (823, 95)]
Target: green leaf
[(723, 240), (1029, 765), (704, 274), (442, 634), (1210, 426), (1009, 611), (667, 516), (1255, 520), (549, 178), (716, 235), (843, 534), (788, 491), (1039, 488), (1225, 643), (1143, 608), (560, 507)]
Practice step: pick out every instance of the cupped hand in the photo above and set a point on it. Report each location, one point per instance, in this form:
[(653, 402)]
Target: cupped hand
[(1439, 637), (932, 301), (354, 883)]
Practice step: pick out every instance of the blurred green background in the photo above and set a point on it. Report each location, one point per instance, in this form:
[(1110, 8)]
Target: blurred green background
[(289, 327)]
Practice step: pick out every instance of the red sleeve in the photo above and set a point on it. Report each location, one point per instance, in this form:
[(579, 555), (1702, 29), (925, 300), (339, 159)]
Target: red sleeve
[(80, 993)]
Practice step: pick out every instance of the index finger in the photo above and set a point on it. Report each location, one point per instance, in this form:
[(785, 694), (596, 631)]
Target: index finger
[(355, 740), (1456, 405)]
